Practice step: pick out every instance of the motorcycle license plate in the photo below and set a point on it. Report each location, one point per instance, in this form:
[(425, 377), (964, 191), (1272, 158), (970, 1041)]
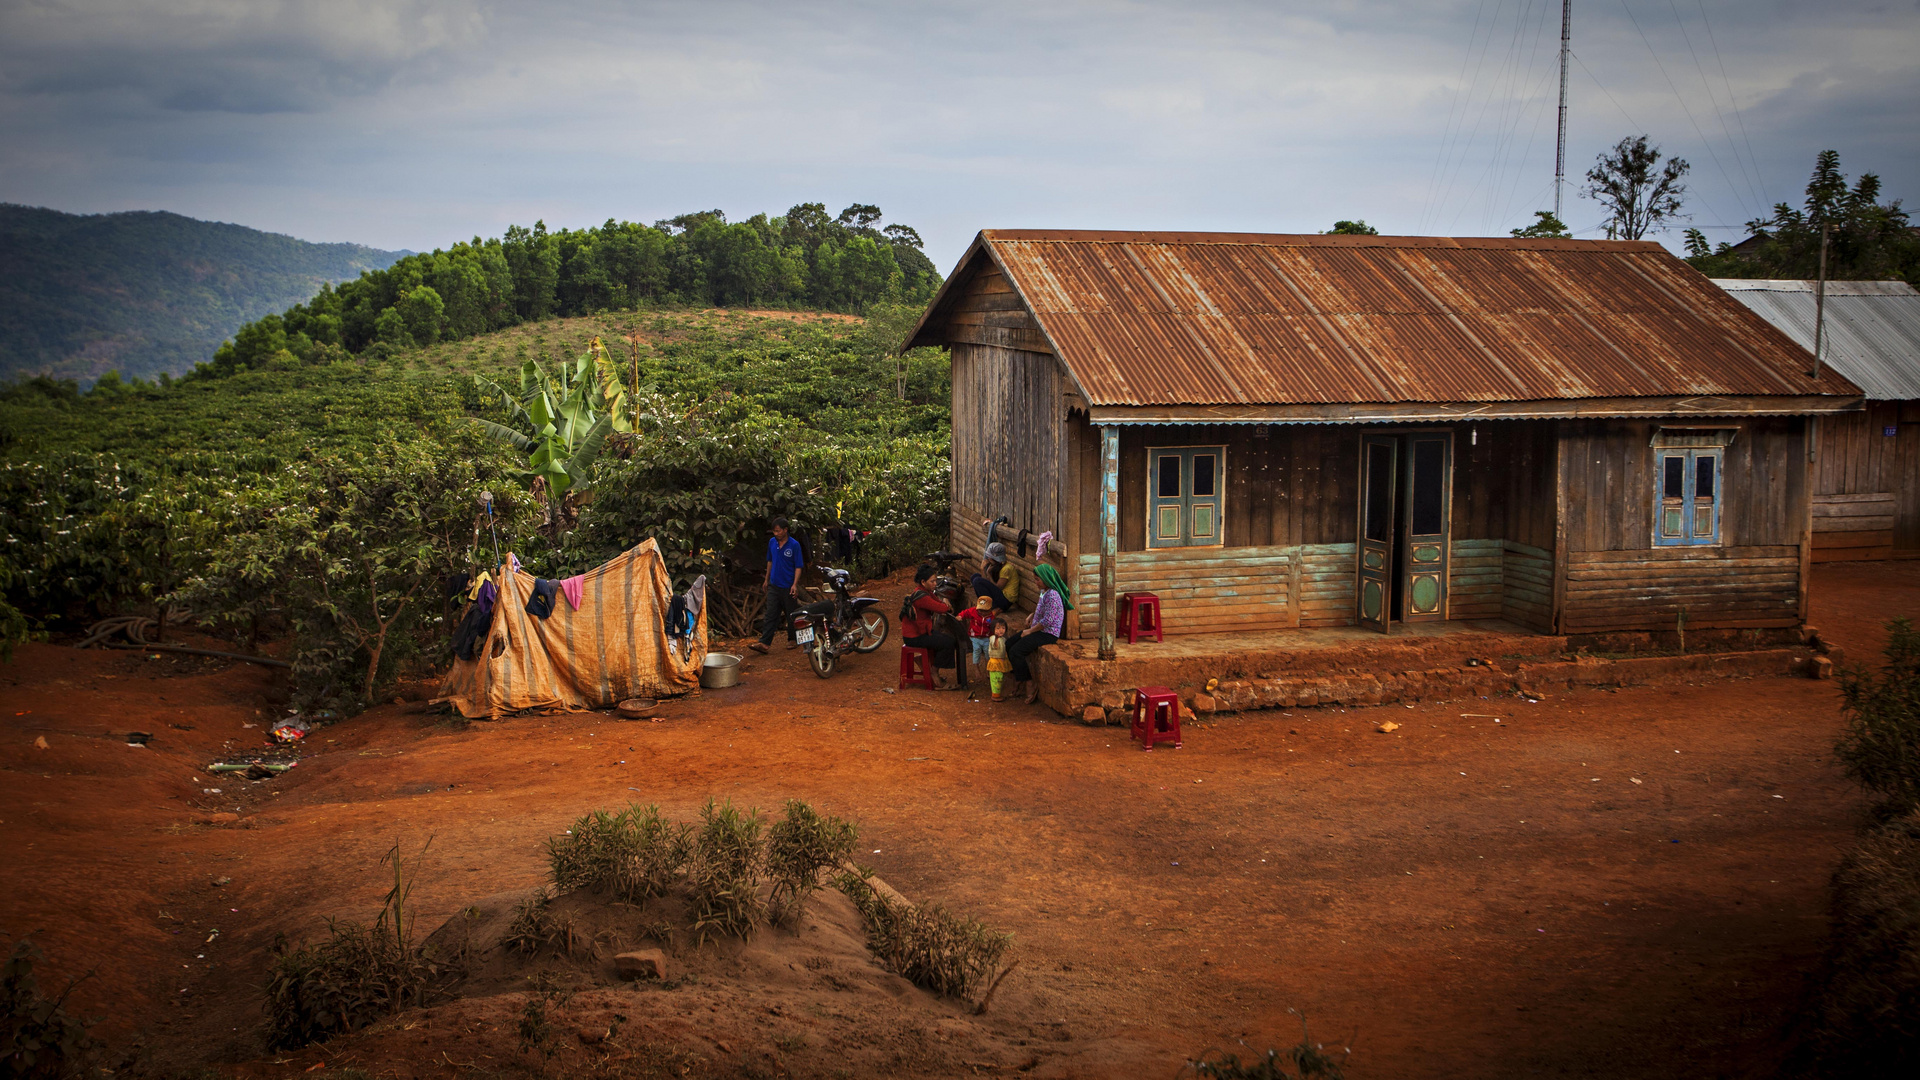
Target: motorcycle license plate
[(804, 636)]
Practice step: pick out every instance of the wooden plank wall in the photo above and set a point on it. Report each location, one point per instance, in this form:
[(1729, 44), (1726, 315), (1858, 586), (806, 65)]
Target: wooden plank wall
[(1010, 451), (1853, 527), (1526, 586), (1297, 490), (1717, 587), (1503, 481), (1202, 590), (1866, 485), (1610, 484), (1854, 456), (1327, 584), (1474, 578), (969, 538), (1617, 580), (1299, 485)]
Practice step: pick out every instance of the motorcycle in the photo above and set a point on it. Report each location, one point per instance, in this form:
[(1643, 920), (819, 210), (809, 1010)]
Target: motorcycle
[(948, 585), (832, 628)]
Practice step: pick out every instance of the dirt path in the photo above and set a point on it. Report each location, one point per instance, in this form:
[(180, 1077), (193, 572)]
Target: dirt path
[(1600, 884)]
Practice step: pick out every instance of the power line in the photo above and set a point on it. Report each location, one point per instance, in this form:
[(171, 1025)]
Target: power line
[(1746, 175), (1738, 116), (1704, 141), (1453, 104)]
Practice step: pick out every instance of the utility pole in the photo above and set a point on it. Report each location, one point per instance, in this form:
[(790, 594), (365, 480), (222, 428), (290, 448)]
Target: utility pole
[(1820, 301), (1560, 147)]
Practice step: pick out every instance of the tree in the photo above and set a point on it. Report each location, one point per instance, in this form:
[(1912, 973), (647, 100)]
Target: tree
[(349, 547), (1352, 228), (1640, 194), (1867, 240), (1544, 225), (858, 216), (423, 310), (561, 423)]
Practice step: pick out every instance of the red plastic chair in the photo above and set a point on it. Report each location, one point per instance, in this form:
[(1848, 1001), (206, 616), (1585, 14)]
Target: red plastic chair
[(1156, 716), (1140, 615), (916, 667)]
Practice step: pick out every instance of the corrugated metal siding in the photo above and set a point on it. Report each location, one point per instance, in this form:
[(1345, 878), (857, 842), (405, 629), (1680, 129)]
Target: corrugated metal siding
[(1872, 334), (1236, 319)]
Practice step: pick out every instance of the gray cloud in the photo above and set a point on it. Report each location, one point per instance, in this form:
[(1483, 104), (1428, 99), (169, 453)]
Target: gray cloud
[(243, 56), (413, 125)]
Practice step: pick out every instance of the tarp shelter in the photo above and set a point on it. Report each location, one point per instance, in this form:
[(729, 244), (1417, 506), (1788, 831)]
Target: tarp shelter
[(613, 648)]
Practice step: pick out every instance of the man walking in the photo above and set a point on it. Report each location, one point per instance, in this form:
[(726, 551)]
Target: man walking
[(784, 561)]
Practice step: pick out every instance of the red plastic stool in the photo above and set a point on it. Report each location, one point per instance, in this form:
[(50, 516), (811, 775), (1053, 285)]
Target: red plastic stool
[(1156, 716), (916, 667), (1140, 614)]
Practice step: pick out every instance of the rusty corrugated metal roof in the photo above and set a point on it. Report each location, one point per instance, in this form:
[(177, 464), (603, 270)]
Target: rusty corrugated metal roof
[(1250, 319)]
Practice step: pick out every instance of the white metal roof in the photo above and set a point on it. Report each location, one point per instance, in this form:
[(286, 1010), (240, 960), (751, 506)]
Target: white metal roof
[(1872, 333)]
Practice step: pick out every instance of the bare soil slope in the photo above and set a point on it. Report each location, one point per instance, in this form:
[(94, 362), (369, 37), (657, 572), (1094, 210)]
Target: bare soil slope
[(1602, 884)]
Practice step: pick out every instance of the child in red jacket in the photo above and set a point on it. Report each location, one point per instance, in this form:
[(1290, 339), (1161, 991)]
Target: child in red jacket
[(979, 620)]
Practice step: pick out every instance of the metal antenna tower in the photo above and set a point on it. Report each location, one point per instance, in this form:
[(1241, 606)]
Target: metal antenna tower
[(1560, 147)]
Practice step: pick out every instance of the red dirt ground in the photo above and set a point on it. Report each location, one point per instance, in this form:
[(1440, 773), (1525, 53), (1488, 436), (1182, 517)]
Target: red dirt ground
[(1615, 884)]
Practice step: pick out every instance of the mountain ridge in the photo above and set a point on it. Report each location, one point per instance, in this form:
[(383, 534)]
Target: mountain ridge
[(147, 292)]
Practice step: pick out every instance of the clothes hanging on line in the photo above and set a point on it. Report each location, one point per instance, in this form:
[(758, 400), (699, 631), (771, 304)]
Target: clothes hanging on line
[(1040, 549), (540, 599), (570, 588)]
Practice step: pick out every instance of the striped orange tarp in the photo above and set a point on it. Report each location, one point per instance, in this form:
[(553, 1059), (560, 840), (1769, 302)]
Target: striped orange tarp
[(615, 647)]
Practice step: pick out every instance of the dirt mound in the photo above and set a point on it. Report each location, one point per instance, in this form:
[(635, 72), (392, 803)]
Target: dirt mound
[(541, 994)]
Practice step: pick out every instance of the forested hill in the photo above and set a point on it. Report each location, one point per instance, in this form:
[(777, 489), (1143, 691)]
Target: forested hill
[(801, 259), (146, 292)]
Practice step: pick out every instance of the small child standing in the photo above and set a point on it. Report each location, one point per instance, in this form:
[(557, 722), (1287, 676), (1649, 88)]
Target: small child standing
[(998, 663), (979, 620)]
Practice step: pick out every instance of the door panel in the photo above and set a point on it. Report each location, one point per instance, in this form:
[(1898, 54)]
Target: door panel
[(1428, 486), (1379, 462)]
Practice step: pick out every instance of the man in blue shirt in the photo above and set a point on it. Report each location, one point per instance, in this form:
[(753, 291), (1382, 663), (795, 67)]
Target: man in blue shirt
[(784, 561)]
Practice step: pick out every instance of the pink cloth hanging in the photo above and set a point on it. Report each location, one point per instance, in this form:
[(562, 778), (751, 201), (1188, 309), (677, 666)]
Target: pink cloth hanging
[(570, 588)]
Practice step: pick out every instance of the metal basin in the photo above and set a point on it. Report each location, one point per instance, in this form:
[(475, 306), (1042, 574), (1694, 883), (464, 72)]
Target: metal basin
[(720, 670)]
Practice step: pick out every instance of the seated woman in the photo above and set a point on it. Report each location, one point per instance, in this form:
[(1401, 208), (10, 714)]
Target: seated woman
[(1003, 587), (1049, 615), (917, 629)]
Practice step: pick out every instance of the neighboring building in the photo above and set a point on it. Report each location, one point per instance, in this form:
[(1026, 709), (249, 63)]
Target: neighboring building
[(1294, 431), (1866, 475)]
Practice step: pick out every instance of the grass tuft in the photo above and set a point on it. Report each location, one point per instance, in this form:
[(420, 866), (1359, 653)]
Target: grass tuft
[(799, 847), (928, 945), (729, 858)]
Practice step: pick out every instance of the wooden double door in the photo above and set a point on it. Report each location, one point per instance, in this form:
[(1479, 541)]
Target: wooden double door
[(1405, 527)]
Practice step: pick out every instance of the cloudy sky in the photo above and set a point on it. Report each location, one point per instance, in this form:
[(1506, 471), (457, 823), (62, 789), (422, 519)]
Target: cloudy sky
[(413, 123)]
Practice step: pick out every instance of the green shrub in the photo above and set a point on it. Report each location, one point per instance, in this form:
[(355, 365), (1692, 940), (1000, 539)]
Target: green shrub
[(799, 847), (356, 975), (729, 858), (1865, 1019), (631, 854), (38, 1039), (1308, 1060), (1881, 745), (535, 928), (927, 945)]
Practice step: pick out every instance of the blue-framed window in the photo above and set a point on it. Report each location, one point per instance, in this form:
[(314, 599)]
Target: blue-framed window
[(1687, 497), (1184, 488)]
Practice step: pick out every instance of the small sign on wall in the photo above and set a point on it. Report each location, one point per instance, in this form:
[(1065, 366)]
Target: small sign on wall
[(1891, 431)]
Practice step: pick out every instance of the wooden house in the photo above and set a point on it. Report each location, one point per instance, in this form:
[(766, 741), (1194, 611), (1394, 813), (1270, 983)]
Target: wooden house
[(1272, 432), (1866, 470)]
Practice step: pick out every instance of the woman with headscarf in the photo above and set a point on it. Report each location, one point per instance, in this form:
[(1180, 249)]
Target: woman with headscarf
[(1043, 629)]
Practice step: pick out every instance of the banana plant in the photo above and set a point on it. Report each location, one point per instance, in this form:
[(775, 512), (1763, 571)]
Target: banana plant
[(561, 423)]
